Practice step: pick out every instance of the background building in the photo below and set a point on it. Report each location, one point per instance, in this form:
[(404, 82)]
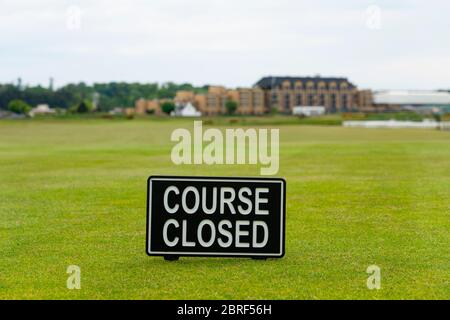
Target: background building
[(335, 94), (364, 101), (144, 106), (249, 100), (184, 97), (413, 100)]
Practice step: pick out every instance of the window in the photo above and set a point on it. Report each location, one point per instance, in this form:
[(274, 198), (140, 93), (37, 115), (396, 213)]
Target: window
[(274, 97), (257, 100), (333, 103), (344, 102), (310, 99), (321, 85), (298, 100), (286, 85), (287, 102), (244, 99), (322, 100)]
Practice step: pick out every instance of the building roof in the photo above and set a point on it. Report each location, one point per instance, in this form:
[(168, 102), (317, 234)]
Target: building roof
[(411, 97), (270, 82)]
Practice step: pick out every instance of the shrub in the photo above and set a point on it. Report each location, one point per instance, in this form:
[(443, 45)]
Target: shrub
[(19, 106), (231, 106), (167, 107), (405, 116)]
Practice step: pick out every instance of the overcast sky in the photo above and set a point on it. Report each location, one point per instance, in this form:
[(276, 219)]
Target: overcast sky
[(376, 44)]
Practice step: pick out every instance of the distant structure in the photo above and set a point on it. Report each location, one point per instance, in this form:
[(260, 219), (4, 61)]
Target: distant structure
[(412, 100), (394, 124), (116, 111), (187, 110), (145, 106), (334, 94), (249, 100), (41, 109), (308, 111)]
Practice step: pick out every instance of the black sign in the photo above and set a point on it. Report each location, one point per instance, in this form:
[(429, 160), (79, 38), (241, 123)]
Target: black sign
[(216, 216)]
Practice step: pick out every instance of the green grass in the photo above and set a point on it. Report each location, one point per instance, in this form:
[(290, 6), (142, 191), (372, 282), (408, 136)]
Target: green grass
[(225, 120), (402, 116), (74, 192)]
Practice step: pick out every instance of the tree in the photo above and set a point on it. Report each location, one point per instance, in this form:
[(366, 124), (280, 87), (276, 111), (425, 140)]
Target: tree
[(83, 107), (231, 106), (112, 94), (19, 106), (167, 107), (8, 92)]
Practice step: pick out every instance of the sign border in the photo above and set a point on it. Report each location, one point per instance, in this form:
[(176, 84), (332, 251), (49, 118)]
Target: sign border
[(281, 254)]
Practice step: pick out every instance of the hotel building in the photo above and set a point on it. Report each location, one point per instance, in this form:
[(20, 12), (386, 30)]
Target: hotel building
[(335, 94)]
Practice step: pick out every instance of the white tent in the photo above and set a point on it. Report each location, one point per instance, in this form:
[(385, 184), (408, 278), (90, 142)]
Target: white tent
[(187, 111), (41, 109)]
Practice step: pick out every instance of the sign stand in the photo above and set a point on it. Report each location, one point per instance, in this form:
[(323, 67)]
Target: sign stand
[(171, 257)]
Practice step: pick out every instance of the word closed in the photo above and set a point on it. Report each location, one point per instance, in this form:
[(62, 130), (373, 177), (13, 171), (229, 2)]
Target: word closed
[(206, 216)]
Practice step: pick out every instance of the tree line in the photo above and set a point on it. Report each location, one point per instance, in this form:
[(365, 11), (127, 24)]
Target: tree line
[(106, 95)]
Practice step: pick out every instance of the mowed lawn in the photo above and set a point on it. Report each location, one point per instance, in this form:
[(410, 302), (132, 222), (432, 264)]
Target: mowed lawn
[(73, 192)]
